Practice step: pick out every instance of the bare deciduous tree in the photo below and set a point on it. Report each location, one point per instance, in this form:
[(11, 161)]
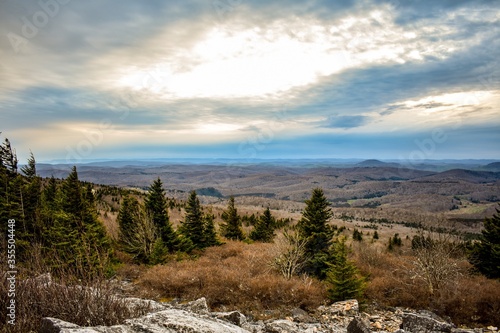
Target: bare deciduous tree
[(436, 259), (289, 253), (143, 240)]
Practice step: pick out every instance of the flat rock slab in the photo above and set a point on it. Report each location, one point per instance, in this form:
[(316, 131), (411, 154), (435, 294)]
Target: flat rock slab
[(166, 321)]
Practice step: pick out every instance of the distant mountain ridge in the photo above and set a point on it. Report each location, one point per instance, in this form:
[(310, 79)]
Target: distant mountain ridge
[(377, 163), (470, 176)]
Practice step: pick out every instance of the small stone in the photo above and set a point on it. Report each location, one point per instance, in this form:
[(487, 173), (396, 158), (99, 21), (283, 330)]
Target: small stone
[(301, 316), (281, 326), (358, 326), (377, 325), (234, 317)]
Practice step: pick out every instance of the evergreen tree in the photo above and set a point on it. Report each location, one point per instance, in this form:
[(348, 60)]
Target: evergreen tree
[(314, 229), (343, 276), (156, 207), (210, 235), (375, 235), (49, 193), (128, 219), (31, 193), (76, 237), (8, 157), (264, 228), (8, 169), (71, 195), (486, 254), (396, 240), (193, 226), (231, 228), (29, 170), (357, 235), (11, 200)]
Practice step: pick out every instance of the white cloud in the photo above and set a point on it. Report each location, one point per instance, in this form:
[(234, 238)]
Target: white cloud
[(247, 61), (447, 109)]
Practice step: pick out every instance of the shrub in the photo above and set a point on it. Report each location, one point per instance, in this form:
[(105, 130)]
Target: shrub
[(233, 276), (91, 304)]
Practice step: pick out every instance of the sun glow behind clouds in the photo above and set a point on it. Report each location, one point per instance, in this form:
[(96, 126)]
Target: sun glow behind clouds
[(237, 62), (454, 109), (216, 128)]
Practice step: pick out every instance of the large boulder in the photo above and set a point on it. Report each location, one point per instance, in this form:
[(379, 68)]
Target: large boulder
[(424, 322), (166, 321)]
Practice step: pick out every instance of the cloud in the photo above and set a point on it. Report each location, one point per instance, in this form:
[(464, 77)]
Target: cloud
[(169, 72)]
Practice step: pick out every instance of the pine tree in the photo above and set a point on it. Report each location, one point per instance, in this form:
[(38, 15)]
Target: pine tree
[(210, 235), (486, 254), (375, 235), (343, 276), (264, 228), (8, 157), (313, 227), (231, 228), (76, 237), (10, 187), (29, 170), (193, 226), (156, 207), (128, 219), (49, 193), (31, 193), (71, 190), (357, 235), (396, 240)]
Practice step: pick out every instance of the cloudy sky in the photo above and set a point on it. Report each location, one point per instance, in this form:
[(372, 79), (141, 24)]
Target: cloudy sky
[(398, 79)]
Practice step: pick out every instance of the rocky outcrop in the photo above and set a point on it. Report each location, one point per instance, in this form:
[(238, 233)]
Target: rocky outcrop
[(195, 317), (425, 322), (165, 321)]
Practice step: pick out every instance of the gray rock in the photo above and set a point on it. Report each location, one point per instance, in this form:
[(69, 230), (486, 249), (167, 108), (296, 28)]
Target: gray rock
[(199, 306), (233, 317), (136, 304), (54, 325), (281, 326), (357, 325), (344, 308), (254, 327), (166, 321), (301, 316), (424, 323)]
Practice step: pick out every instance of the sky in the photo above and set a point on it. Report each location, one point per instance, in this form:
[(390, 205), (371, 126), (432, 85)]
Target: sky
[(250, 79)]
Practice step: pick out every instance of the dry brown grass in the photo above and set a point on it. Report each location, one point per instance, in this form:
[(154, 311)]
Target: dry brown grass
[(467, 300), (233, 276)]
